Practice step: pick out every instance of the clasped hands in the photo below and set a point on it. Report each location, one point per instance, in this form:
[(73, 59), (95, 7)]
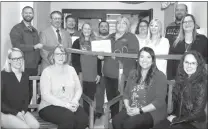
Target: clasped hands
[(73, 106), (132, 111)]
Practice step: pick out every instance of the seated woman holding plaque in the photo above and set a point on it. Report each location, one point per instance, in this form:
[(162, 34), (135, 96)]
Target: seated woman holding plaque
[(61, 91), (144, 95)]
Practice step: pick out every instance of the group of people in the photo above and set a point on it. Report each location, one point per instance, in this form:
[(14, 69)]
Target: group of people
[(65, 77)]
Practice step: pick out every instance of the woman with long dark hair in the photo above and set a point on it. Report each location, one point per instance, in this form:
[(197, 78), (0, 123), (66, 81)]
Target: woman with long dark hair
[(189, 94), (144, 95)]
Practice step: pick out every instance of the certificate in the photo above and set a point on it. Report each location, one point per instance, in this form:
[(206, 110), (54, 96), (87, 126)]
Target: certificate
[(101, 46), (74, 38)]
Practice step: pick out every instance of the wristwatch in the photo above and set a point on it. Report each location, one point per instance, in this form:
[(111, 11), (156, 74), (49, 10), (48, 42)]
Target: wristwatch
[(141, 111)]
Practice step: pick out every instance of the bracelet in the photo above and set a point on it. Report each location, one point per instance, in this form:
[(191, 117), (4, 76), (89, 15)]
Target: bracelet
[(141, 111)]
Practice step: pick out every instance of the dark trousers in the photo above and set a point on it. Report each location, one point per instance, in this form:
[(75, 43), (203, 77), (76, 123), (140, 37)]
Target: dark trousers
[(65, 118), (31, 72), (165, 124), (89, 89), (141, 121), (100, 95), (111, 85)]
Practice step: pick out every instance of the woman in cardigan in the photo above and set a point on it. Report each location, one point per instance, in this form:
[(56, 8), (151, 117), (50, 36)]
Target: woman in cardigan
[(189, 94), (15, 93), (87, 67), (144, 95), (188, 39), (60, 93)]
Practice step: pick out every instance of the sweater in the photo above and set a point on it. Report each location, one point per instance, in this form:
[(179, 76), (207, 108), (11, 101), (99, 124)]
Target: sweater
[(58, 89), (128, 43), (14, 94), (90, 66), (155, 95)]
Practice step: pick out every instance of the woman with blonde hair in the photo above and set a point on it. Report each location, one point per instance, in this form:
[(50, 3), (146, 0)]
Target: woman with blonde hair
[(15, 93), (61, 91), (188, 39), (158, 43)]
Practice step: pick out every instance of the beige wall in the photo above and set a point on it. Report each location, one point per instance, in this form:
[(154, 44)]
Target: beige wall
[(42, 12), (157, 12), (10, 15)]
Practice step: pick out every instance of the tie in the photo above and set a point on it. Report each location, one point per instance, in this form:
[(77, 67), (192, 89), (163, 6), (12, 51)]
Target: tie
[(59, 36), (29, 27)]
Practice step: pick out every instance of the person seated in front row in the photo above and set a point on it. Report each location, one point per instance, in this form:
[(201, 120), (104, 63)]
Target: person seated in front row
[(144, 95), (189, 94), (15, 93), (61, 91)]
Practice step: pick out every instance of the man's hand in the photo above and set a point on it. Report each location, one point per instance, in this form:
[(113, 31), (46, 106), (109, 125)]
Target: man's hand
[(38, 46), (100, 57), (97, 79)]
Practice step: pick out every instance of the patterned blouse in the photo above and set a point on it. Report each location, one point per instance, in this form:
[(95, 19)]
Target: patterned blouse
[(138, 95)]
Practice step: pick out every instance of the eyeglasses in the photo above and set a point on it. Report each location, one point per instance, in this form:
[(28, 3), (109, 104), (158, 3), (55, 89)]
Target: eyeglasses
[(188, 22), (60, 54), (17, 59), (57, 19), (190, 63)]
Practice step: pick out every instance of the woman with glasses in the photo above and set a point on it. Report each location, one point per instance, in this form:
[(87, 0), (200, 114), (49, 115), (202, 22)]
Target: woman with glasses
[(158, 43), (188, 39), (189, 94), (122, 41), (60, 93), (15, 93), (87, 67), (144, 95), (142, 33)]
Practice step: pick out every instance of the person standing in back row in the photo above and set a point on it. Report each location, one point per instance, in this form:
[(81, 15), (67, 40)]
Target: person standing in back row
[(53, 36), (25, 37)]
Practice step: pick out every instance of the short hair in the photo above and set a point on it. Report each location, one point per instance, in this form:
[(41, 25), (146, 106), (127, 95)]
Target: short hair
[(27, 7), (70, 16), (7, 65), (51, 54), (56, 12), (126, 20), (184, 5), (137, 28), (102, 22), (159, 24)]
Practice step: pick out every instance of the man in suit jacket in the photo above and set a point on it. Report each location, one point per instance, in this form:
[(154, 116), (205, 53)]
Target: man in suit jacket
[(53, 36)]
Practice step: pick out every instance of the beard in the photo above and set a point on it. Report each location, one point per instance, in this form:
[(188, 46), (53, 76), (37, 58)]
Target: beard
[(104, 33), (179, 18), (28, 20)]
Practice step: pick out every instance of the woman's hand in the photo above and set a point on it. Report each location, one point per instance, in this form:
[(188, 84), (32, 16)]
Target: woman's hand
[(21, 116), (71, 106), (133, 111), (97, 79)]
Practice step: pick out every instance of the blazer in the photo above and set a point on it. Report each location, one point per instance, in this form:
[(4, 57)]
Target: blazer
[(49, 39), (24, 39)]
